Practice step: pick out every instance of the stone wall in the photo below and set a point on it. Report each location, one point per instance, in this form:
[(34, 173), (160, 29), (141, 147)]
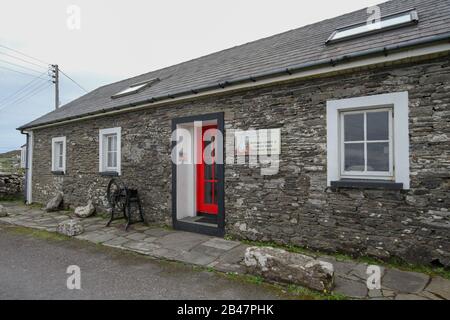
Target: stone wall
[(11, 184), (295, 206)]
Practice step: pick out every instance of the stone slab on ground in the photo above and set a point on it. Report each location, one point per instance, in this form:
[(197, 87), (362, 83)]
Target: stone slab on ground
[(196, 258), (282, 266), (3, 212), (70, 228), (404, 296), (439, 286), (404, 281), (54, 203), (141, 247), (350, 288), (85, 211), (221, 244), (182, 240)]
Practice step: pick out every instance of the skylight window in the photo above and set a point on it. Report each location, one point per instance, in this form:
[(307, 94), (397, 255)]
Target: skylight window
[(386, 23), (135, 88)]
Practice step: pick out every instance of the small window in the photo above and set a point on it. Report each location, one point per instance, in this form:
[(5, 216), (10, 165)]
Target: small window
[(59, 154), (366, 143), (386, 23), (110, 148), (135, 88)]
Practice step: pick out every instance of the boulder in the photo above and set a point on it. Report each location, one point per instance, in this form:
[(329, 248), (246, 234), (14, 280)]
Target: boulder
[(3, 212), (55, 203), (282, 266), (70, 228), (86, 211)]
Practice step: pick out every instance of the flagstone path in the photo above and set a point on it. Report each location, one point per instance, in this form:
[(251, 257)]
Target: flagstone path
[(225, 255)]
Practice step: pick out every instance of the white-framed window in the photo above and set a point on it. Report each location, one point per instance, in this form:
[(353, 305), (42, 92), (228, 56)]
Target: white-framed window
[(59, 154), (110, 150), (23, 156), (366, 146), (368, 138)]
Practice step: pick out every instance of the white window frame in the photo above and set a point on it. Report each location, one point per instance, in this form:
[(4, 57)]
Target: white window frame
[(103, 158), (398, 103), (54, 163), (388, 175)]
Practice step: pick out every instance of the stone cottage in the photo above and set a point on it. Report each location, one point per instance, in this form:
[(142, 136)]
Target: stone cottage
[(334, 136)]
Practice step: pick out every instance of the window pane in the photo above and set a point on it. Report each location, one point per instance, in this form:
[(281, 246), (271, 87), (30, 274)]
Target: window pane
[(112, 142), (112, 159), (60, 162), (60, 146), (354, 157), (354, 127), (208, 172), (378, 156), (378, 125), (215, 193), (208, 192), (109, 159)]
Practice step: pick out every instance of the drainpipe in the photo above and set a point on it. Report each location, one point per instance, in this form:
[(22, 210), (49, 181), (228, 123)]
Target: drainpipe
[(25, 189)]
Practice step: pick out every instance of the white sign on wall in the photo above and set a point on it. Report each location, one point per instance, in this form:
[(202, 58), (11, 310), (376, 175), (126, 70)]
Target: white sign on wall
[(258, 142)]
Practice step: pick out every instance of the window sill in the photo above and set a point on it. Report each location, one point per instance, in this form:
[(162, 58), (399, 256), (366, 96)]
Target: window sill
[(58, 173), (109, 174), (366, 184)]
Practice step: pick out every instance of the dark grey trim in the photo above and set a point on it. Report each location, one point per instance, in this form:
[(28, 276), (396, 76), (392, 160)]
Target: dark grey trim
[(386, 50), (109, 174), (193, 227), (58, 173), (366, 184)]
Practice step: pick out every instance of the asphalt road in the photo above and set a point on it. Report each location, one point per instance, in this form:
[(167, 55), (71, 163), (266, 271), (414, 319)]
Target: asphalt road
[(33, 267)]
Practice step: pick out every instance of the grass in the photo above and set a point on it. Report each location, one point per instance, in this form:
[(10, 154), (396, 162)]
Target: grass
[(11, 198), (292, 291), (35, 206), (392, 262), (40, 234)]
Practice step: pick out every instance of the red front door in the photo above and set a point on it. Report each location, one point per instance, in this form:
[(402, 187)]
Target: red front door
[(206, 174)]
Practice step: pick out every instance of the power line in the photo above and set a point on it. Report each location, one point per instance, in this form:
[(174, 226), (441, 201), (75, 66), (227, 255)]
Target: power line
[(27, 96), (27, 74), (73, 81), (18, 65), (31, 93), (24, 54), (24, 88), (23, 60), (16, 99)]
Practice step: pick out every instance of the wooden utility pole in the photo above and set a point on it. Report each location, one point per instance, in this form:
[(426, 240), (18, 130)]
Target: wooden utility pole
[(56, 82)]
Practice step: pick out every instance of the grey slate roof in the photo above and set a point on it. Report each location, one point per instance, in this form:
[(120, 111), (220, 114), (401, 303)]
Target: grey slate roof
[(294, 47)]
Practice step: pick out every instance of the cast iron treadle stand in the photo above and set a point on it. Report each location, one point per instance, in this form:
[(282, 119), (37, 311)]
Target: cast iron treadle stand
[(120, 199)]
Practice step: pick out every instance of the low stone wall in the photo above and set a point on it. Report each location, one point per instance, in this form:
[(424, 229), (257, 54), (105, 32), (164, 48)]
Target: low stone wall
[(11, 184)]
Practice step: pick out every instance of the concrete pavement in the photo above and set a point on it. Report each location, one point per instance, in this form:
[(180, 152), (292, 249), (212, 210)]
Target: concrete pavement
[(34, 268)]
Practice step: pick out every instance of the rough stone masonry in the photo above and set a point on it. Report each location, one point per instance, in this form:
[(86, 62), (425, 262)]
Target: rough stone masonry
[(295, 206), (11, 184)]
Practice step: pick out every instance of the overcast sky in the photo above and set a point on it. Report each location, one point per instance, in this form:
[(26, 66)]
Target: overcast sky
[(120, 39)]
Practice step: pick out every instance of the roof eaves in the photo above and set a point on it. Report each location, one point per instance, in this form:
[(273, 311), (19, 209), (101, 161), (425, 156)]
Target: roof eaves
[(385, 50)]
